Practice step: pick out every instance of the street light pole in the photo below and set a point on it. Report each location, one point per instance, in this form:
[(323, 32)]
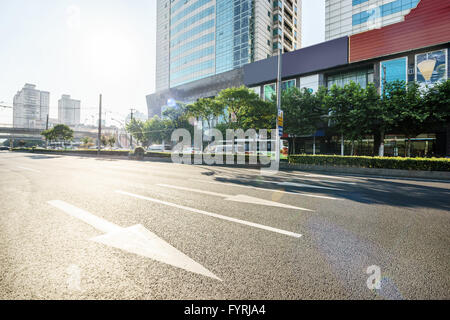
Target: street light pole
[(99, 126), (279, 78), (131, 134)]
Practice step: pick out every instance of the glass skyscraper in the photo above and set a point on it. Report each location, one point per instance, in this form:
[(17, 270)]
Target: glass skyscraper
[(200, 38), (347, 17)]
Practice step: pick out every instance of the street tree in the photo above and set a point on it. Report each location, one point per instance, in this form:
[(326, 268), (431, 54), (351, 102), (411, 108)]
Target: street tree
[(343, 104), (303, 111), (373, 118), (137, 130), (104, 140), (245, 110), (111, 141), (407, 105), (87, 142), (437, 103), (60, 132), (176, 118), (205, 109)]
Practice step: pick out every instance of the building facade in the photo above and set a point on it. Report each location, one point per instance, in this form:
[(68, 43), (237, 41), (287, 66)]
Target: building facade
[(413, 50), (197, 39), (348, 17), (69, 111), (30, 108)]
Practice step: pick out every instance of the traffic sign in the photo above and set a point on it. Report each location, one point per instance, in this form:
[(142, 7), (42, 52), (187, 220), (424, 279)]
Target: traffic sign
[(280, 122)]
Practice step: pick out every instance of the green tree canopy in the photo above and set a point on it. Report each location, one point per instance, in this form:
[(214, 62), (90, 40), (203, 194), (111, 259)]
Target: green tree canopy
[(344, 105), (406, 104), (302, 110), (245, 110), (437, 103), (60, 132), (206, 109)]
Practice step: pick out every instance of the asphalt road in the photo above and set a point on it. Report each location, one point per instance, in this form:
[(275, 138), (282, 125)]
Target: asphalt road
[(200, 232)]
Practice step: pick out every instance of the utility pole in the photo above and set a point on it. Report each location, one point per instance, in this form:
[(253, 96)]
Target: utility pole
[(381, 149), (279, 78), (99, 126), (46, 128), (131, 134)]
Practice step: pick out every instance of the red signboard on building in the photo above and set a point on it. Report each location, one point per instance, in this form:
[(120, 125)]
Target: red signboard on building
[(426, 25)]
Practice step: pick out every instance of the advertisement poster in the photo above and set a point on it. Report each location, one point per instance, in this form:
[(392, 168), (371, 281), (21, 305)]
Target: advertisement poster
[(431, 67)]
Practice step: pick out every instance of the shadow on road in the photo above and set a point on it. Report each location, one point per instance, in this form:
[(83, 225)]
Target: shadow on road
[(41, 157), (368, 191)]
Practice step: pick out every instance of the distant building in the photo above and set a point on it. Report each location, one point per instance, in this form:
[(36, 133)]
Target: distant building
[(69, 111), (30, 107)]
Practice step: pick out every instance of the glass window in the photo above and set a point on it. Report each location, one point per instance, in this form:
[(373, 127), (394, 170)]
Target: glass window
[(269, 91), (362, 77), (382, 11), (393, 70), (286, 85)]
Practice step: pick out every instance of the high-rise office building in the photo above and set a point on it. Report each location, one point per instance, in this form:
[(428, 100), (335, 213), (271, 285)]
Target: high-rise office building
[(201, 38), (348, 17), (30, 107), (68, 111)]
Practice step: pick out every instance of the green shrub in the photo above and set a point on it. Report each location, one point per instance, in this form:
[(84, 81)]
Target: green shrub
[(158, 154), (139, 153), (423, 164)]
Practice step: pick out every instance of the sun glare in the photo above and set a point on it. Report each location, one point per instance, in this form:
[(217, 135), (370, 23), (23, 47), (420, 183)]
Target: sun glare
[(109, 54)]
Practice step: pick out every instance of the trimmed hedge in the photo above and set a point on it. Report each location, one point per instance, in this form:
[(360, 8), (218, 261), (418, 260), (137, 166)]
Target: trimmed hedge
[(93, 152), (422, 164)]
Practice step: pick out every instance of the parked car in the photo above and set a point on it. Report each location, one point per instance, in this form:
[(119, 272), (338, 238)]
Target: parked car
[(4, 148), (192, 150), (156, 147), (227, 149)]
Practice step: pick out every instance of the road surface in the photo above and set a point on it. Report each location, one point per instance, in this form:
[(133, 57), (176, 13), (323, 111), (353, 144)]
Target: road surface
[(86, 228)]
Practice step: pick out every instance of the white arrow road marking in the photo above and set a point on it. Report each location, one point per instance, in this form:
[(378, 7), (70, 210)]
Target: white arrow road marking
[(238, 198), (136, 239), (214, 215), (301, 185), (28, 169), (265, 189)]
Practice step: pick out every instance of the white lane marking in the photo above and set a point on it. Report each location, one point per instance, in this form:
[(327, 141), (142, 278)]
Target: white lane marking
[(28, 169), (264, 189), (301, 185), (136, 239), (238, 198), (257, 201), (214, 215), (329, 181), (328, 177), (316, 180), (214, 194)]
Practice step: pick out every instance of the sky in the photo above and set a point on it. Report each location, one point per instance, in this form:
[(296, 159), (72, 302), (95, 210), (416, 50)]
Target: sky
[(87, 47)]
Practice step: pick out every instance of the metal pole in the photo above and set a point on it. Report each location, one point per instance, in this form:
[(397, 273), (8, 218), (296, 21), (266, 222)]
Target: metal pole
[(381, 149), (131, 134), (46, 128), (314, 144), (279, 76), (99, 125)]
